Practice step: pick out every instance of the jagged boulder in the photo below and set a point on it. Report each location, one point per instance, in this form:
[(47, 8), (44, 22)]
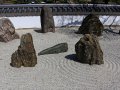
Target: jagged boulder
[(7, 30), (47, 21), (25, 55), (91, 25), (59, 48), (88, 50)]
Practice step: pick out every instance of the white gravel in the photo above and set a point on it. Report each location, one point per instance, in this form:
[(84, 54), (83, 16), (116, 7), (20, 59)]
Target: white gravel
[(59, 71)]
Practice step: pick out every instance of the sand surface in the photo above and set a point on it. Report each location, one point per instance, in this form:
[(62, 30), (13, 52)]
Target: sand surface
[(60, 71)]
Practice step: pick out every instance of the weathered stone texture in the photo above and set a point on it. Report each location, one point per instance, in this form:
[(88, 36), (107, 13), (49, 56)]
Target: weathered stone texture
[(88, 50), (47, 21), (7, 30), (59, 48), (25, 55), (91, 25)]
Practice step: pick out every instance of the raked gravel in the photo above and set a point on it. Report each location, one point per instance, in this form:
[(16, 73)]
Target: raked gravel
[(60, 71)]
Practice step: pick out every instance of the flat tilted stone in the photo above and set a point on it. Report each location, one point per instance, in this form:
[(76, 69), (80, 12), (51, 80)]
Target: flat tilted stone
[(47, 21), (25, 55), (88, 50), (91, 25), (59, 48), (7, 30)]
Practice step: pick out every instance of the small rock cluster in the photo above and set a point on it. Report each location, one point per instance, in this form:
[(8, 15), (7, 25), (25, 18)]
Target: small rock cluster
[(87, 48)]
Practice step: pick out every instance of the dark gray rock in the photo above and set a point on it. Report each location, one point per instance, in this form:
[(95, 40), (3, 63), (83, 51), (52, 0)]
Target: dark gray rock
[(25, 55), (88, 50), (7, 30), (47, 21), (59, 48), (91, 25)]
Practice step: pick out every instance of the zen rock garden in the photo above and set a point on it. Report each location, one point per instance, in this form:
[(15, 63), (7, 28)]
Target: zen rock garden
[(87, 48)]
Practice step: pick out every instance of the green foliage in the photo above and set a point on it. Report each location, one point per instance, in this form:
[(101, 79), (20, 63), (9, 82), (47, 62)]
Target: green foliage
[(50, 1), (117, 1), (39, 1), (14, 1), (18, 2)]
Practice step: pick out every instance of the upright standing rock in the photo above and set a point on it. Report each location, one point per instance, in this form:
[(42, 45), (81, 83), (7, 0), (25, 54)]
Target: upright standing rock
[(47, 21), (25, 55), (91, 25), (7, 30), (88, 50)]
